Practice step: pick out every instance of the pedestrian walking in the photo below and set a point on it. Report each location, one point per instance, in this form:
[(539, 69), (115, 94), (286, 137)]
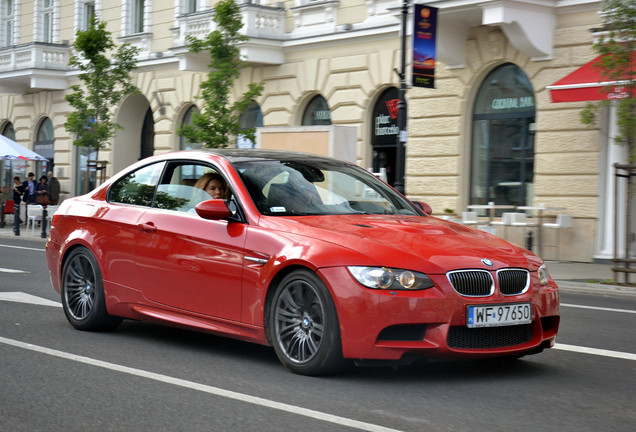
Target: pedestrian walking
[(42, 192)]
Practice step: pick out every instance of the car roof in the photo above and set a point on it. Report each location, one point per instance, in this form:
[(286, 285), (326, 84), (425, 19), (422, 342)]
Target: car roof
[(243, 155)]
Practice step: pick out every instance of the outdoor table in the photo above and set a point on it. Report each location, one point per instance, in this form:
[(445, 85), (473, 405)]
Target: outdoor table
[(540, 209), (491, 207)]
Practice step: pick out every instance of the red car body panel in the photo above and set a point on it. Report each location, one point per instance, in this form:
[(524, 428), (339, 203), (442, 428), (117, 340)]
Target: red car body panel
[(184, 270)]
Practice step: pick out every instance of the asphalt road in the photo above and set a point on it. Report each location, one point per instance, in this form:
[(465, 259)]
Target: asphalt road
[(144, 377)]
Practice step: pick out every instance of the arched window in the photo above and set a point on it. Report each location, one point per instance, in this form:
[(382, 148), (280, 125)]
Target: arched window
[(9, 131), (251, 118), (317, 112), (184, 143), (45, 146), (502, 166)]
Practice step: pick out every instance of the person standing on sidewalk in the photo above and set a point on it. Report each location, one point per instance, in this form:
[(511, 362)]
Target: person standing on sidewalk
[(54, 188), (29, 186), (18, 191)]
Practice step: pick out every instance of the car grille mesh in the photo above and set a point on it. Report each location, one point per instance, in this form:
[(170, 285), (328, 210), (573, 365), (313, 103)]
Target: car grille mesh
[(513, 281), (474, 283), (480, 283), (488, 337)]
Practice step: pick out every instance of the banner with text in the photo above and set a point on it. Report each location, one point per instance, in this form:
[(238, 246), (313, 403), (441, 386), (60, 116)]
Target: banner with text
[(424, 45)]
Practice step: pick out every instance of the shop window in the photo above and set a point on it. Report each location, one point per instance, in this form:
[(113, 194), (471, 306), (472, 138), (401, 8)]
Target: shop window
[(503, 135), (384, 133), (251, 118), (317, 112), (45, 146)]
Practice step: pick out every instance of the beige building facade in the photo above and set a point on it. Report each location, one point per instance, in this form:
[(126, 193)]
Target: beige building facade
[(339, 59)]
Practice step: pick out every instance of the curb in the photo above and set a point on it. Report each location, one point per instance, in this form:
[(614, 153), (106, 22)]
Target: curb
[(595, 288)]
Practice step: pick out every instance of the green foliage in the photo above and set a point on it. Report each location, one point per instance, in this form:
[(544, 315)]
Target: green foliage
[(617, 46), (218, 122), (105, 83)]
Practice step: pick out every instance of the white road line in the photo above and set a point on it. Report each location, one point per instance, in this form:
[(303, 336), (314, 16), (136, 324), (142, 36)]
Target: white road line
[(20, 297), (23, 247), (318, 415), (7, 270), (595, 351), (599, 308)]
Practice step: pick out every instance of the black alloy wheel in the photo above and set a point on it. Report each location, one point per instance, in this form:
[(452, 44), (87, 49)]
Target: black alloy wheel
[(304, 325), (83, 293)]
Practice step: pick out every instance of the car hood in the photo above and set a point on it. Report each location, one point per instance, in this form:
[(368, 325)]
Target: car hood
[(419, 243)]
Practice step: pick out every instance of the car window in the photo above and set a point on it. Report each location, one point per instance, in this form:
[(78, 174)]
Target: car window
[(183, 186), (314, 187), (138, 187)]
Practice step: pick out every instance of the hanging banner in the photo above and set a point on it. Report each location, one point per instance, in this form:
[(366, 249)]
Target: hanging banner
[(424, 49)]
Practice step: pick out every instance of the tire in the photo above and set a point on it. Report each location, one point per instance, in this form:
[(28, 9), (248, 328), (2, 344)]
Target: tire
[(304, 327), (83, 293)]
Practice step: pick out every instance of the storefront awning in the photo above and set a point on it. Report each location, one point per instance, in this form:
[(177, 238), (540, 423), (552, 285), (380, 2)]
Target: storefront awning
[(587, 84)]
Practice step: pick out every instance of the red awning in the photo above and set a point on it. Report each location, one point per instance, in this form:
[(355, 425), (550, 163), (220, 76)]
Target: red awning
[(587, 84)]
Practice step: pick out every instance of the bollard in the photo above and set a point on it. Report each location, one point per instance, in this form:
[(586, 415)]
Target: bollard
[(529, 241), (16, 220), (44, 215), (2, 224)]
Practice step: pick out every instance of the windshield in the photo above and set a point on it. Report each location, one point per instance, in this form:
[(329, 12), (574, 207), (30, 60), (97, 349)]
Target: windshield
[(283, 188)]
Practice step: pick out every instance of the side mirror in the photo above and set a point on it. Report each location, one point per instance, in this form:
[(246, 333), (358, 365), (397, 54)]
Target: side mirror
[(424, 207), (214, 209)]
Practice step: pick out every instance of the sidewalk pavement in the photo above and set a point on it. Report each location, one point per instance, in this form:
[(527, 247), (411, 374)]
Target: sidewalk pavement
[(575, 276)]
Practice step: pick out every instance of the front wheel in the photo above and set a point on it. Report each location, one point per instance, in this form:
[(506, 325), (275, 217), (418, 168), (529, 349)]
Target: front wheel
[(304, 325), (83, 293)]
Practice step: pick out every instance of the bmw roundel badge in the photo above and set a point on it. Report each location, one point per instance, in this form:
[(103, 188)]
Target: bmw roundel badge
[(487, 262)]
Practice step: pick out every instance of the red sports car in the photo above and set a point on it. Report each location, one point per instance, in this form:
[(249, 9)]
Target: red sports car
[(311, 255)]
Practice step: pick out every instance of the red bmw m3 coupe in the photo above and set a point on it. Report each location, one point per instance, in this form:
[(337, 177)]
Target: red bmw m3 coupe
[(313, 256)]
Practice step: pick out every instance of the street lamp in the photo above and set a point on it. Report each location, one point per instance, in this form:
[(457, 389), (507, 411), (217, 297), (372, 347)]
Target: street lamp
[(400, 153)]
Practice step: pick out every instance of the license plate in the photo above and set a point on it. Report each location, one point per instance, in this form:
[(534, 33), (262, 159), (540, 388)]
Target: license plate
[(498, 315)]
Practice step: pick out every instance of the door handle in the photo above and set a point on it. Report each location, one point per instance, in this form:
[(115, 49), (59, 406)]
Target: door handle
[(147, 227)]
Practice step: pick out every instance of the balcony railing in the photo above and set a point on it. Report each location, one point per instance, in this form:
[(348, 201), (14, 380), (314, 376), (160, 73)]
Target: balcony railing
[(35, 56), (36, 65)]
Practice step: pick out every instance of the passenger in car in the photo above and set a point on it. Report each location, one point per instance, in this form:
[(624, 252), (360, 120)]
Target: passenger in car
[(213, 184)]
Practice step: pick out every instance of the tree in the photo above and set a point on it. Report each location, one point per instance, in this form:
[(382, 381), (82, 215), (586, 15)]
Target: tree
[(106, 82), (616, 47), (218, 122)]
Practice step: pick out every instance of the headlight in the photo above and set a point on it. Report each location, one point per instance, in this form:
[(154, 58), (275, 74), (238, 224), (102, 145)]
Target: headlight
[(390, 278), (544, 275)]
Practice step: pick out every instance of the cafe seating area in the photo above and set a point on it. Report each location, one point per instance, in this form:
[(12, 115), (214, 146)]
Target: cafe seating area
[(538, 227)]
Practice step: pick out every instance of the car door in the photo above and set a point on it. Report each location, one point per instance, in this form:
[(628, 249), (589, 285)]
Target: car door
[(115, 224), (189, 263)]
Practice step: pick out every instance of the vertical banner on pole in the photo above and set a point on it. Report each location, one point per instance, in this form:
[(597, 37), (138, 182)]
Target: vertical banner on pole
[(424, 45)]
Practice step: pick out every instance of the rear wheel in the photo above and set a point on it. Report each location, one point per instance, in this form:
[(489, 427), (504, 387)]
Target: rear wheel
[(83, 293), (304, 325)]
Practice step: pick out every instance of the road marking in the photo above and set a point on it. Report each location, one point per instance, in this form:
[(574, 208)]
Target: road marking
[(595, 351), (599, 308), (20, 297), (7, 270), (293, 409), (23, 247)]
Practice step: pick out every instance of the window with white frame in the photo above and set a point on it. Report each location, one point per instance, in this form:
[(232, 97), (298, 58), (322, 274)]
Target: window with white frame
[(189, 6), (136, 23), (7, 22), (87, 11), (46, 12)]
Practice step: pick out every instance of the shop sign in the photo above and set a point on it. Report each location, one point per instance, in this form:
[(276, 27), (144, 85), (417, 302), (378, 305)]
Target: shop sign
[(385, 127)]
